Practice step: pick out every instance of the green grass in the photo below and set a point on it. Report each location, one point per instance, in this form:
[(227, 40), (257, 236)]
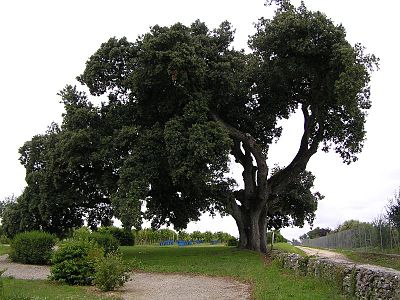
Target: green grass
[(267, 279), (285, 247), (379, 259), (42, 289), (4, 249)]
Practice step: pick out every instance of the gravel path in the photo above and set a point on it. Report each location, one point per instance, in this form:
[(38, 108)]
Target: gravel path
[(22, 271), (146, 286), (338, 257), (325, 254)]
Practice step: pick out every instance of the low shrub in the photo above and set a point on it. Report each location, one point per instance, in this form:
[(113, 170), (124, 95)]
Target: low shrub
[(33, 247), (81, 234), (111, 272), (124, 237), (232, 242), (74, 262), (105, 241)]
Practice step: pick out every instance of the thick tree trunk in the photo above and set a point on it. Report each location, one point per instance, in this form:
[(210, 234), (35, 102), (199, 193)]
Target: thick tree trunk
[(252, 231), (263, 230), (242, 233), (254, 238)]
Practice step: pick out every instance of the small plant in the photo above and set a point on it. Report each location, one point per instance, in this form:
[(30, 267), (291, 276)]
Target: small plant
[(353, 282), (279, 261), (74, 262), (340, 274), (111, 272), (303, 265), (34, 247), (106, 241)]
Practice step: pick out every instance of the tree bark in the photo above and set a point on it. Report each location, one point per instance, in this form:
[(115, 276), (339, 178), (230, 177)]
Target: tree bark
[(263, 230), (251, 226)]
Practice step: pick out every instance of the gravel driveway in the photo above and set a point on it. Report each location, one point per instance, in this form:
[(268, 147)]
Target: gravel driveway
[(146, 286)]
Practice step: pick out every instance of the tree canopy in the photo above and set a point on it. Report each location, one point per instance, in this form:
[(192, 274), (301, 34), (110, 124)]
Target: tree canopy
[(180, 102)]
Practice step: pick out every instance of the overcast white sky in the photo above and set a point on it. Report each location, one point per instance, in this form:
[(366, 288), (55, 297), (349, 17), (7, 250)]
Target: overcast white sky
[(44, 46)]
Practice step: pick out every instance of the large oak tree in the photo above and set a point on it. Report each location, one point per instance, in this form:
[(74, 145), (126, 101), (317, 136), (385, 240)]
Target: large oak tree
[(181, 100)]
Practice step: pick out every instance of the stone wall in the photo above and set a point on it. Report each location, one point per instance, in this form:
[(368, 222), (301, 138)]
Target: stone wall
[(361, 281)]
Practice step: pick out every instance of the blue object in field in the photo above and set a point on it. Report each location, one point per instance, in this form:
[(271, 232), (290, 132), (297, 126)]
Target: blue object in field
[(167, 243), (181, 243), (214, 242)]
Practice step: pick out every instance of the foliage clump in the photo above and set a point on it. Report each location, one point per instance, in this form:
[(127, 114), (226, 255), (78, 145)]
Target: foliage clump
[(81, 234), (106, 241), (102, 238), (34, 247), (124, 237), (232, 242), (74, 262), (111, 272)]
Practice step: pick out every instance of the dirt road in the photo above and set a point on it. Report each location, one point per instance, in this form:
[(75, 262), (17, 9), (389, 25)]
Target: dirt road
[(325, 254)]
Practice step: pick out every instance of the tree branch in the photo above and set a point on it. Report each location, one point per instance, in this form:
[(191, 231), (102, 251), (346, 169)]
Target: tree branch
[(306, 150), (251, 148)]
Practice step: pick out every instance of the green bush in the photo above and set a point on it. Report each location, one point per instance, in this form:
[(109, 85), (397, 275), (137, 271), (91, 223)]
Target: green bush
[(105, 241), (124, 237), (74, 262), (111, 272), (232, 242), (33, 247), (81, 234)]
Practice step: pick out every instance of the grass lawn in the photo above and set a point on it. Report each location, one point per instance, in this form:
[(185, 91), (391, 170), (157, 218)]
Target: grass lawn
[(379, 259), (285, 247), (41, 290), (268, 281)]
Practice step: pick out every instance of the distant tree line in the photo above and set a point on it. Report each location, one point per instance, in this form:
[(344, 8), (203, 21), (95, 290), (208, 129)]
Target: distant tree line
[(151, 236)]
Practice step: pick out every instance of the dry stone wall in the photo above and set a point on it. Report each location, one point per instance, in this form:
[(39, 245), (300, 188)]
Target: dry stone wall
[(361, 281)]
